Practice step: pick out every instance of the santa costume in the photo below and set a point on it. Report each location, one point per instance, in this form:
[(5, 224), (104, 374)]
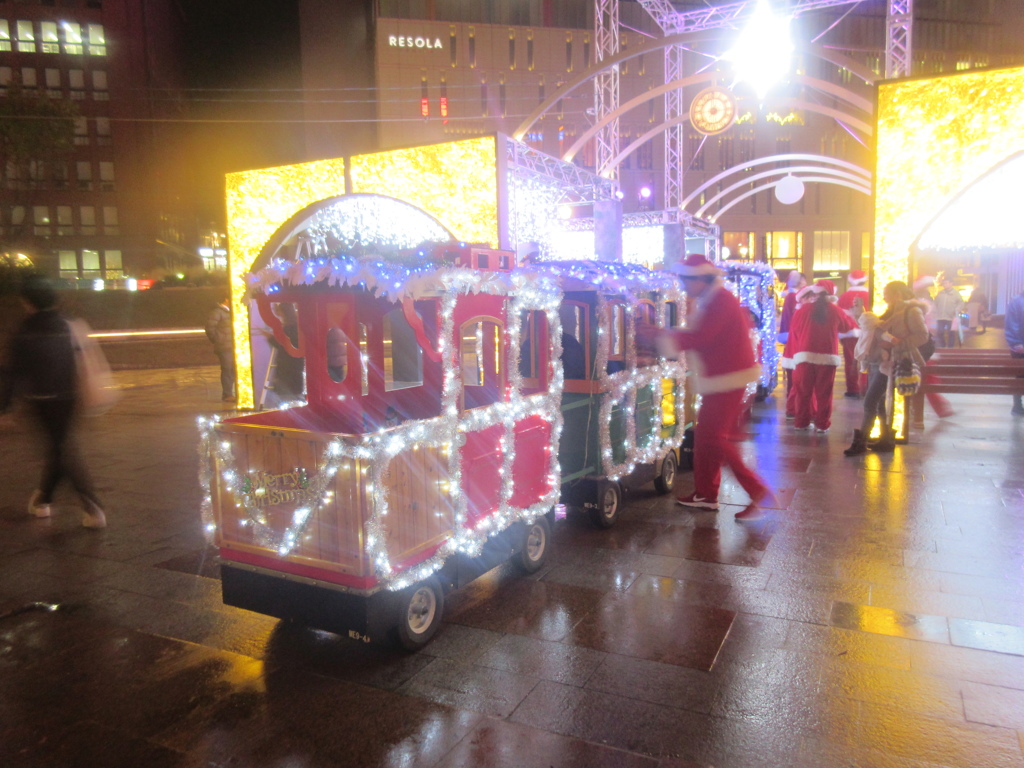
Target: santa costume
[(716, 340), (848, 339), (804, 295), (814, 349)]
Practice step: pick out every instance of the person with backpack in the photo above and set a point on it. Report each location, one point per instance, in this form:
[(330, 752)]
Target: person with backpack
[(41, 367)]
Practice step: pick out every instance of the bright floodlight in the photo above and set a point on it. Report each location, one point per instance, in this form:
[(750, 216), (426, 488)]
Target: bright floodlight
[(763, 51), (645, 192)]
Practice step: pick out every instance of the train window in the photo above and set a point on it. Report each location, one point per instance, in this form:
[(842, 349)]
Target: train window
[(574, 348), (480, 350), (403, 358), (337, 354), (617, 337), (530, 348), (671, 314), (644, 334), (364, 359)]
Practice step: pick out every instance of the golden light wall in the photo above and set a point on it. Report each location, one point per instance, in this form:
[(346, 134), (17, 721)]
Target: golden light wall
[(456, 183), (258, 203), (936, 136)]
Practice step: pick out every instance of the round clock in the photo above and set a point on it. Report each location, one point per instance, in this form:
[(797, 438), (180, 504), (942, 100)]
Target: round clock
[(712, 111)]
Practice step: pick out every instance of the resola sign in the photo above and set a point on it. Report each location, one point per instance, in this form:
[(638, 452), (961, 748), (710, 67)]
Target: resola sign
[(396, 41)]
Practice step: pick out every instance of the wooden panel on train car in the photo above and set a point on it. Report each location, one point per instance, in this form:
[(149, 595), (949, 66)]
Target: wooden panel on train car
[(276, 469), (532, 463), (420, 512)]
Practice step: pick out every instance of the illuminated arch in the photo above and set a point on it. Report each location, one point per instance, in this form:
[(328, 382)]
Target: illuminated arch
[(984, 215), (822, 179), (782, 158), (831, 172), (408, 225)]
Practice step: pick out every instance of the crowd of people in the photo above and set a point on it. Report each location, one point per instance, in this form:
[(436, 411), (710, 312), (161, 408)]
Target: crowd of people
[(879, 352)]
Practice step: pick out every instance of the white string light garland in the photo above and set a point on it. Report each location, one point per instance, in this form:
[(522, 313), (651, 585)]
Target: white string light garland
[(537, 289)]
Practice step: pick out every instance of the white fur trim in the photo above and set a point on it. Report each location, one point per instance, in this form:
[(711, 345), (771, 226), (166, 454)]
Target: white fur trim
[(818, 358), (727, 382), (788, 364), (855, 333), (706, 268)]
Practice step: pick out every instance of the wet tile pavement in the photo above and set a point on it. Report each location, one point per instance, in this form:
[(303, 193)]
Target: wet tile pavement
[(876, 619)]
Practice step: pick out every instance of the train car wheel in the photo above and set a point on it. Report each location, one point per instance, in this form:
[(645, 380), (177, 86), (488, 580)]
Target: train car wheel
[(536, 546), (609, 502), (667, 477), (419, 613)]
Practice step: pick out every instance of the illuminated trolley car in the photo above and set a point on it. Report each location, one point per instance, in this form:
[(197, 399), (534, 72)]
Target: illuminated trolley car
[(449, 407)]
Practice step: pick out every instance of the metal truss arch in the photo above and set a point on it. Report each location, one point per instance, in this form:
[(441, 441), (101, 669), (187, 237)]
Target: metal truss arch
[(843, 117), (865, 74)]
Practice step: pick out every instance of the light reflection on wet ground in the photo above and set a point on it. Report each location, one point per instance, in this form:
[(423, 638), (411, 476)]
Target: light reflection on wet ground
[(876, 620)]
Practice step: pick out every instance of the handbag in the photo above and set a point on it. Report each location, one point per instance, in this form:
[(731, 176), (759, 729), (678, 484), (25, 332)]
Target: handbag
[(908, 376), (928, 348), (94, 385)]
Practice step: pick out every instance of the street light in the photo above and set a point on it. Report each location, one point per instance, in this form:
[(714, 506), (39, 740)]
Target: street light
[(645, 198)]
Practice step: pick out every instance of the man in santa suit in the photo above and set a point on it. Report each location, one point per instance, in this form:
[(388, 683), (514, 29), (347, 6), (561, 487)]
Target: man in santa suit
[(717, 338), (848, 339), (814, 345)]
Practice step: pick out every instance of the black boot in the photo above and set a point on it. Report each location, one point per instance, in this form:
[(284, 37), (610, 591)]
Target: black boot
[(859, 445), (886, 443)]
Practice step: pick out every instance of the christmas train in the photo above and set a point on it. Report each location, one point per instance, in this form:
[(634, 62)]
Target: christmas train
[(450, 406)]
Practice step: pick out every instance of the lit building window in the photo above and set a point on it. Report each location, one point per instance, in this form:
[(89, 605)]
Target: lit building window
[(68, 261), (106, 176), (568, 51), (91, 264), (53, 83), (97, 40), (103, 130), (26, 37), (83, 172), (112, 265), (87, 218), (511, 49), (783, 250), (5, 35), (81, 131), (99, 85), (110, 224), (831, 251), (28, 77), (65, 226), (72, 37), (76, 81), (50, 43), (41, 220)]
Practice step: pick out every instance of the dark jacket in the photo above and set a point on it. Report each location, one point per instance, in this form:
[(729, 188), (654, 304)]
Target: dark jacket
[(218, 329), (40, 362)]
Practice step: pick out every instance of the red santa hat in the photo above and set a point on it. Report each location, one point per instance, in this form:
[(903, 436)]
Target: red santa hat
[(810, 292), (924, 282), (857, 278), (828, 286), (696, 265)]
